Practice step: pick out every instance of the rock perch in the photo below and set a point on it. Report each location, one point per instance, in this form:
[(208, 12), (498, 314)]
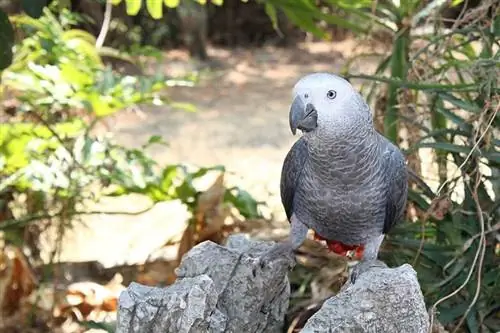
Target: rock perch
[(222, 289), (218, 289), (382, 299)]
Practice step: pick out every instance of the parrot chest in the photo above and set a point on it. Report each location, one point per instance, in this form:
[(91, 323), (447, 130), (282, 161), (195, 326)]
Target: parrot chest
[(341, 209)]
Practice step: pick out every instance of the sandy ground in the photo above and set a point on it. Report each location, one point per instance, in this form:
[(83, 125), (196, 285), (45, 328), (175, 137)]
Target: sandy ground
[(241, 122)]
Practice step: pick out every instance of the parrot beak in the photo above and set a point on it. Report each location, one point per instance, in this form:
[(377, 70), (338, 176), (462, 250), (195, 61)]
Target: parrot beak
[(303, 117)]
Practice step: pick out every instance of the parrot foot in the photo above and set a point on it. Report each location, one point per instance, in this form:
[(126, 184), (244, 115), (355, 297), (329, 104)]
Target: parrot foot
[(280, 252)]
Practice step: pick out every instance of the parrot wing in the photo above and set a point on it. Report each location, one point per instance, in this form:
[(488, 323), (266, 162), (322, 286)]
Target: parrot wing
[(291, 173), (397, 180)]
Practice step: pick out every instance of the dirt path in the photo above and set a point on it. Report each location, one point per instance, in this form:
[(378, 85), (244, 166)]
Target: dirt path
[(242, 117), (241, 122)]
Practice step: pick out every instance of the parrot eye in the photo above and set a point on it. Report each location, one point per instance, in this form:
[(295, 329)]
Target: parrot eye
[(331, 94)]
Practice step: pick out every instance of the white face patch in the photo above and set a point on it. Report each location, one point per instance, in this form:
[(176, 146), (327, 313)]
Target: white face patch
[(329, 93)]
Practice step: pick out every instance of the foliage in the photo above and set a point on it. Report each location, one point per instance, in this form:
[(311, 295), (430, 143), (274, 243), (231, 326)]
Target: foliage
[(447, 87), (303, 13), (58, 69), (60, 89), (155, 7)]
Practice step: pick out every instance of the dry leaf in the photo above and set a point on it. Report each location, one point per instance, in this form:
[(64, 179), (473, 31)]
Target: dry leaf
[(17, 279), (159, 272), (439, 207), (208, 220), (302, 316), (89, 300)]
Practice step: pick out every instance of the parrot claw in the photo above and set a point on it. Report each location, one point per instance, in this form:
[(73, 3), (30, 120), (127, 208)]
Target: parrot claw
[(363, 266), (281, 252)]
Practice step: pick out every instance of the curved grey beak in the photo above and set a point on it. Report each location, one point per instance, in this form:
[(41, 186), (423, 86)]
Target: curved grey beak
[(303, 117)]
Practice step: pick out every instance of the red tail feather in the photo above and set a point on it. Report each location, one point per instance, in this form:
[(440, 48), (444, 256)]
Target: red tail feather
[(341, 248)]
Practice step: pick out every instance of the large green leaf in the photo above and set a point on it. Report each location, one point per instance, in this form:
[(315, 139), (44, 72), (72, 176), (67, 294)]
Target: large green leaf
[(271, 12), (6, 41), (155, 8), (172, 3), (133, 6), (243, 201)]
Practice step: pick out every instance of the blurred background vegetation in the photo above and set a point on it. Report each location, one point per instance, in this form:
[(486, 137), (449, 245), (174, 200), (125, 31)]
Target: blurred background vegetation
[(67, 67)]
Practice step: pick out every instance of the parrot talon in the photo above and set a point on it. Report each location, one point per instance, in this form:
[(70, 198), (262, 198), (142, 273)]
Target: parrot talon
[(279, 252), (363, 266)]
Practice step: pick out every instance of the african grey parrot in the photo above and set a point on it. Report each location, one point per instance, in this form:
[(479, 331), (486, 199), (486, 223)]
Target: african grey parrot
[(342, 179)]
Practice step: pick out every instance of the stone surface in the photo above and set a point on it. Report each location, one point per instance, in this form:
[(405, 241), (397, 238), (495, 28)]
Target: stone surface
[(382, 299), (219, 289), (224, 289)]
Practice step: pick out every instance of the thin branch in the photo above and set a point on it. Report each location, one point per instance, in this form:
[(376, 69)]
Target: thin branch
[(456, 291), (482, 248), (105, 25), (58, 138), (476, 144), (470, 241), (482, 241), (27, 220)]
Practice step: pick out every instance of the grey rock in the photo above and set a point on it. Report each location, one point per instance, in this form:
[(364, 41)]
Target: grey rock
[(218, 289), (381, 299), (224, 289)]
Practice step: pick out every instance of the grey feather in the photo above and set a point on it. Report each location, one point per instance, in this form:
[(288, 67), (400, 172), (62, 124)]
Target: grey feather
[(290, 174), (397, 179)]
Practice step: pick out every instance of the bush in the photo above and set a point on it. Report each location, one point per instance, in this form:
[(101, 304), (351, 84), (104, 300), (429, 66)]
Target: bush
[(51, 167), (442, 88)]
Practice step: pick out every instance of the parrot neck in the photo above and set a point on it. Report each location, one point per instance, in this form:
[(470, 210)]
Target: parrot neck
[(341, 141), (345, 131)]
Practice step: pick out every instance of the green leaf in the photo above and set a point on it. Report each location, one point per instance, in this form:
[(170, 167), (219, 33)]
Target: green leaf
[(133, 6), (168, 176), (183, 106), (435, 87), (100, 107), (77, 78), (461, 122), (464, 105), (496, 26), (305, 22), (341, 22), (34, 8), (445, 146), (107, 327), (271, 12), (155, 8), (116, 2), (6, 41), (218, 2), (243, 202), (172, 3), (155, 139)]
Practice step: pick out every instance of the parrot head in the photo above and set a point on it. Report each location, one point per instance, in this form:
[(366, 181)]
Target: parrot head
[(320, 100)]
